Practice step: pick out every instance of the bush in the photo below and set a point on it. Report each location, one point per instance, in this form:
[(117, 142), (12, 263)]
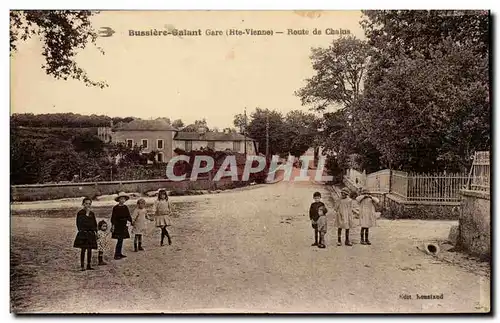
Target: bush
[(334, 169)]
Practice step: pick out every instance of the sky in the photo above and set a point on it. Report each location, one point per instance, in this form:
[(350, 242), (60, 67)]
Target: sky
[(188, 78)]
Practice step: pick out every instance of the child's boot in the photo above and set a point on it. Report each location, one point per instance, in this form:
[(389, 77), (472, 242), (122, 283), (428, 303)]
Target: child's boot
[(168, 236), (315, 239), (321, 243), (100, 257), (363, 236), (347, 242), (366, 238), (140, 244), (135, 244)]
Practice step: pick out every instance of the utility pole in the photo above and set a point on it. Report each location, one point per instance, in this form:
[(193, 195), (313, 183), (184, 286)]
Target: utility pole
[(267, 134), (245, 133)]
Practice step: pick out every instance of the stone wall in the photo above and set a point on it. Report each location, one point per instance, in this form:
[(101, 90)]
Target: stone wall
[(475, 223), (395, 208), (69, 190)]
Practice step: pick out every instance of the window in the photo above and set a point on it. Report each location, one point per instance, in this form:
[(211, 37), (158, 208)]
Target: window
[(130, 143), (160, 157), (159, 143), (189, 145), (145, 144), (211, 145), (236, 146)]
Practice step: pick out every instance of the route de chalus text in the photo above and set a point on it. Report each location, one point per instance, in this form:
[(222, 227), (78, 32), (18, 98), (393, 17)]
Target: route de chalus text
[(238, 32)]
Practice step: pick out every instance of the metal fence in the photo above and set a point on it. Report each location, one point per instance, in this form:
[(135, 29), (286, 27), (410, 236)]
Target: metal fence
[(399, 184), (435, 187), (415, 188), (479, 177)]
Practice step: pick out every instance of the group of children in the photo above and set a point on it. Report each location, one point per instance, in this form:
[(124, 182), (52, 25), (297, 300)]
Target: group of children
[(92, 235), (344, 218)]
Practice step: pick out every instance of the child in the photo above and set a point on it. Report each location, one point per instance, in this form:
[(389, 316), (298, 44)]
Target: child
[(86, 236), (162, 210), (102, 241), (139, 222), (314, 216), (344, 216), (367, 217), (119, 219), (322, 226)]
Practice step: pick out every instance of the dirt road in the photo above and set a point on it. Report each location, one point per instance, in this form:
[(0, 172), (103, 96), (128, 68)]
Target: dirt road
[(245, 251)]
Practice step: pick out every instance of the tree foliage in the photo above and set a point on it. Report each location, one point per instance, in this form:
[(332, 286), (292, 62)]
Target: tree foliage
[(256, 130), (240, 122), (301, 132), (196, 126), (62, 33), (64, 120), (426, 103), (339, 71), (178, 123)]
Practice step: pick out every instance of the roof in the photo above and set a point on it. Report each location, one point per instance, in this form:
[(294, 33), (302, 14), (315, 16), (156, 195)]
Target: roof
[(148, 125), (210, 136)]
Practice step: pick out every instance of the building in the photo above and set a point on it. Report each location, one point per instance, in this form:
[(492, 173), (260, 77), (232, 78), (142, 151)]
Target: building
[(151, 135), (158, 135), (217, 141)]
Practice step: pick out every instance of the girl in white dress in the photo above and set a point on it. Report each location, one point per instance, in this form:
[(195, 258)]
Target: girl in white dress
[(367, 217), (162, 214), (344, 216), (139, 218)]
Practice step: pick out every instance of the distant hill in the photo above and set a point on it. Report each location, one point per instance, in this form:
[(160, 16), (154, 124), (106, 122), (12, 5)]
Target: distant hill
[(63, 120)]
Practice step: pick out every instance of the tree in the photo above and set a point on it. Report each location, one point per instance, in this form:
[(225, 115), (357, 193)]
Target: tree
[(195, 127), (339, 71), (63, 33), (277, 134), (338, 82), (229, 130), (426, 103), (89, 144), (240, 122), (167, 120), (63, 120), (178, 123), (25, 160), (301, 131)]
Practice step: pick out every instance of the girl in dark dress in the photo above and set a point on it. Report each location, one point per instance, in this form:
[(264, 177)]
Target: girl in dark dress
[(86, 236), (119, 219)]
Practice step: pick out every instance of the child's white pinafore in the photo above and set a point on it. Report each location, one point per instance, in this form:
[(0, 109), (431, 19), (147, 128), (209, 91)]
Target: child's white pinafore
[(162, 211)]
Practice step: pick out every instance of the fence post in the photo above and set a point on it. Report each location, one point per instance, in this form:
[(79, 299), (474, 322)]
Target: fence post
[(390, 180)]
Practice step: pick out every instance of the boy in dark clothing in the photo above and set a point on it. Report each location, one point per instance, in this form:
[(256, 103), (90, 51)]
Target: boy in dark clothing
[(314, 215)]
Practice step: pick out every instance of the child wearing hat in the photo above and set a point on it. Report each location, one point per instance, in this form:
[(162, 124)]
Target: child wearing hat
[(344, 216), (119, 219), (367, 217)]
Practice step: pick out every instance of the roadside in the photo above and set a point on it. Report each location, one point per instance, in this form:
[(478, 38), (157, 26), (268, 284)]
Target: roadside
[(247, 251)]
